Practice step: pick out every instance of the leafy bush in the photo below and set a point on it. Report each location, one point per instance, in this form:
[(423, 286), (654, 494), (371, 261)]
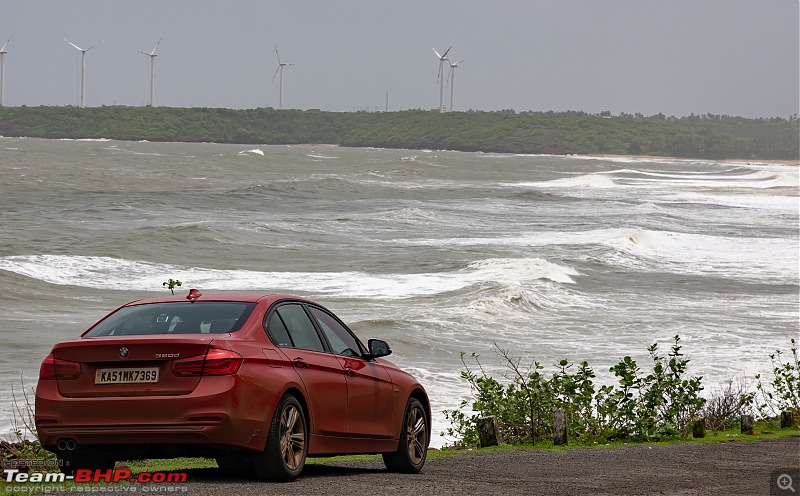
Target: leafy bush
[(662, 403), (783, 392), (642, 405)]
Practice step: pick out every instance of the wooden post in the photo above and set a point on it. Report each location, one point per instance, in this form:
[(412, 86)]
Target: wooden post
[(699, 428), (559, 427), (747, 423), (488, 431), (787, 419)]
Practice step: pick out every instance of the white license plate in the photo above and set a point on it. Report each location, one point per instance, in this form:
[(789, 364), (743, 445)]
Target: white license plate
[(126, 376)]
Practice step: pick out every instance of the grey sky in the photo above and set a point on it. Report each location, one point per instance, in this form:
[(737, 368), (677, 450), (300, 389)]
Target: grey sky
[(735, 57)]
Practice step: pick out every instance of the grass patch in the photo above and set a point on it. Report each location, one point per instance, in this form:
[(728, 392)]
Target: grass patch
[(167, 464)]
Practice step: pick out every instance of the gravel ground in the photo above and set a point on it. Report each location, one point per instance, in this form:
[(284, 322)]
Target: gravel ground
[(734, 468)]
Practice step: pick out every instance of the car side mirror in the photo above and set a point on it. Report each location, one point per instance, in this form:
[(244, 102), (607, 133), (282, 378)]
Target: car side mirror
[(378, 348)]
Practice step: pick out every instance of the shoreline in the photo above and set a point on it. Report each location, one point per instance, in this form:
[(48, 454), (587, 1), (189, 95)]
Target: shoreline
[(744, 161)]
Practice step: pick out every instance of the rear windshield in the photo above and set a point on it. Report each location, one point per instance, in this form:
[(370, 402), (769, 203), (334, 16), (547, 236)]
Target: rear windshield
[(208, 317)]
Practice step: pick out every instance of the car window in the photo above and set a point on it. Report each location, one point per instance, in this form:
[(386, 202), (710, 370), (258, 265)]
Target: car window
[(277, 331), (300, 328), (341, 340), (210, 317)]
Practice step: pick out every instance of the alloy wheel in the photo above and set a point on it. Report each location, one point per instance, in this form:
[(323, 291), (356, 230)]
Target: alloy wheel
[(292, 437), (417, 435)]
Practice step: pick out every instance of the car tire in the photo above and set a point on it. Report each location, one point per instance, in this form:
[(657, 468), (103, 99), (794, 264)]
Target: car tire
[(284, 455), (69, 464), (412, 450)]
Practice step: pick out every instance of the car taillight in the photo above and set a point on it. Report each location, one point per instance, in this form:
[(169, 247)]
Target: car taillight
[(54, 369), (215, 362)]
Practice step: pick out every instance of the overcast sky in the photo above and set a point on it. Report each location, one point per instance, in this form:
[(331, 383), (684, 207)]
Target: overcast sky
[(735, 57)]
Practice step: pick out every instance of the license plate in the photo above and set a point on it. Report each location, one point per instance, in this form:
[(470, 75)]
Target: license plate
[(126, 376)]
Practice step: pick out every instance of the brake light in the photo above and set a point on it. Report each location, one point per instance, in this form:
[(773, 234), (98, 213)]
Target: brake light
[(54, 369), (215, 362)]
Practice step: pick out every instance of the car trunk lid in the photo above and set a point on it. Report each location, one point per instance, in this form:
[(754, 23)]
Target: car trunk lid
[(130, 365)]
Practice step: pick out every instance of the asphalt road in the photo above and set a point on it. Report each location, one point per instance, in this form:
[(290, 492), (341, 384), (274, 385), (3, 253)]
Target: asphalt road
[(734, 468)]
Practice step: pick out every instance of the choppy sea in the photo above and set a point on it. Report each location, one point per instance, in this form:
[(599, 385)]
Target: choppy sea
[(438, 252)]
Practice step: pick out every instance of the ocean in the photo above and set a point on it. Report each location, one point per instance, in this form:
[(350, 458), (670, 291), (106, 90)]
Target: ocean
[(437, 252)]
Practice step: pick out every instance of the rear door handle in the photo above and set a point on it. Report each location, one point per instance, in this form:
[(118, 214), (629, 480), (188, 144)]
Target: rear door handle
[(298, 362), (349, 372)]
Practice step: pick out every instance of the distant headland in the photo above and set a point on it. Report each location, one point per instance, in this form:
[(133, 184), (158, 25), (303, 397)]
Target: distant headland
[(712, 137)]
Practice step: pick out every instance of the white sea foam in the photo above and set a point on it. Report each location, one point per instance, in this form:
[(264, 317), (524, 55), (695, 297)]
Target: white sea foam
[(635, 160), (585, 181), (662, 250), (756, 258), (669, 175), (755, 179), (254, 151), (106, 272)]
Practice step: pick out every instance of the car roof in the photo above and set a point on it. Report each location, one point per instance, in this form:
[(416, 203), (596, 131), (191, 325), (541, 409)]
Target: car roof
[(242, 296)]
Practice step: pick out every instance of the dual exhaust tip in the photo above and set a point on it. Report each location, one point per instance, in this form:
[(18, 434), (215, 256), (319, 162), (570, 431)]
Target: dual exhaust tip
[(66, 444)]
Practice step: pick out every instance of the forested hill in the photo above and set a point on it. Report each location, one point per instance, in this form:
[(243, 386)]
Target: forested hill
[(708, 136)]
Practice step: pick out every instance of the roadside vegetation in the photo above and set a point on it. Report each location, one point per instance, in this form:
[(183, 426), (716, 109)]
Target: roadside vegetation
[(661, 402), (707, 136), (657, 405)]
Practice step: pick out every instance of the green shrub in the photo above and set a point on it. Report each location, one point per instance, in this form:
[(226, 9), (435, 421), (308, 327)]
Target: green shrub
[(642, 405), (662, 403), (783, 392)]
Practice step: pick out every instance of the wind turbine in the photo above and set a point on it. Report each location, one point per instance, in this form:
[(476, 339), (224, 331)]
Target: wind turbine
[(440, 77), (152, 56), (452, 78), (83, 69), (2, 56), (281, 65)]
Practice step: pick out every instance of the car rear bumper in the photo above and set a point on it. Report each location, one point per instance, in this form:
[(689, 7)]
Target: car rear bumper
[(222, 412)]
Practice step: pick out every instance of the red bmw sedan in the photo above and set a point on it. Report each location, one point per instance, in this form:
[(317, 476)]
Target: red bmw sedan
[(258, 382)]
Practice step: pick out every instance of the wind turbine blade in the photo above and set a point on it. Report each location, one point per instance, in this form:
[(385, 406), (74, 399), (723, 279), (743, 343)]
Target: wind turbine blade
[(5, 45), (276, 73), (444, 55), (279, 55), (89, 48), (437, 54), (143, 53), (73, 44), (154, 48)]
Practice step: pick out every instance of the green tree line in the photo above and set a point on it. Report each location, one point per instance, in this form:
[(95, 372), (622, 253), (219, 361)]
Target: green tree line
[(708, 136)]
